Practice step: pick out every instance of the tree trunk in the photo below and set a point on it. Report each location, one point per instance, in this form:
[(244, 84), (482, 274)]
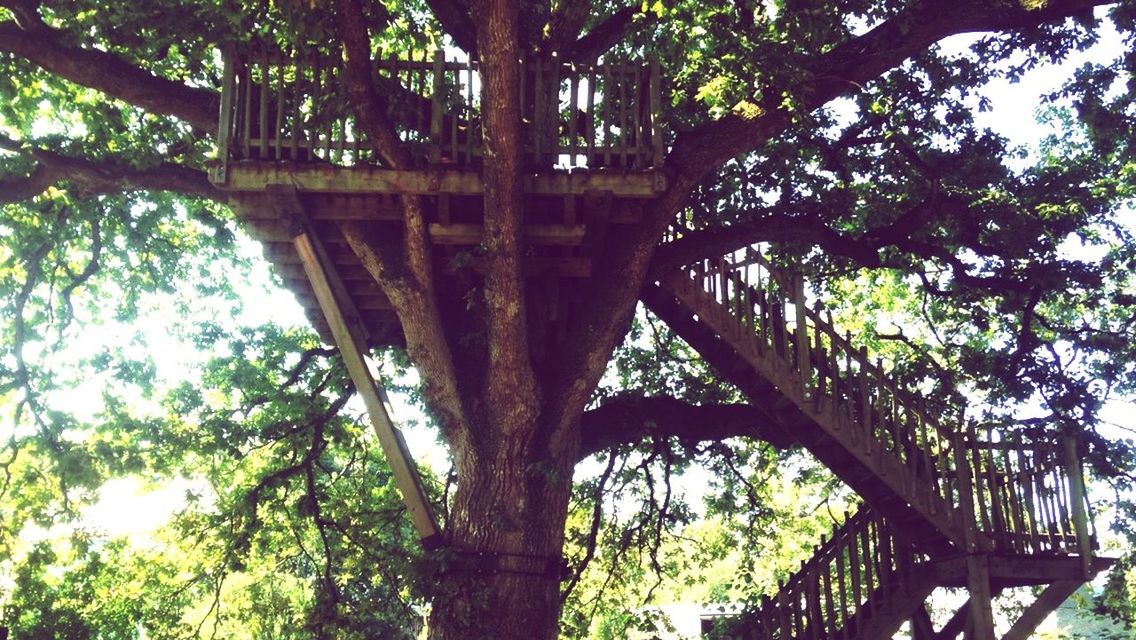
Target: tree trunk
[(507, 537)]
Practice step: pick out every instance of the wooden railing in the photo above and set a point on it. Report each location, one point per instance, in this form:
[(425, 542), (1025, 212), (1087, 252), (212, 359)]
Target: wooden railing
[(1005, 491), (851, 577), (295, 108)]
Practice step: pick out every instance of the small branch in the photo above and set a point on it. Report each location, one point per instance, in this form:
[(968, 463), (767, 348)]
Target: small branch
[(628, 420)]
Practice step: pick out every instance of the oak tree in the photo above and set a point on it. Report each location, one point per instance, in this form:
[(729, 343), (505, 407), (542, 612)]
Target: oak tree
[(840, 136)]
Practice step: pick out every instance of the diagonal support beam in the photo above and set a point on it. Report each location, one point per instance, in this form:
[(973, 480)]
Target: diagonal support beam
[(347, 331), (1046, 602)]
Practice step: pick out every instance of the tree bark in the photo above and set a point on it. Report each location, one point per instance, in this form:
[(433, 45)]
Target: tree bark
[(507, 537)]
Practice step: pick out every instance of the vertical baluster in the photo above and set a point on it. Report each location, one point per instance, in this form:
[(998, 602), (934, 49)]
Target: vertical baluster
[(1025, 477), (624, 128), (248, 87), (317, 113), (590, 117), (840, 619), (278, 116), (785, 615), (538, 119), (1013, 503), (262, 119), (297, 100), (437, 105), (828, 615), (866, 426), (849, 391), (573, 115), (871, 569), (980, 490), (822, 390), (470, 119), (228, 111), (855, 564), (656, 115), (801, 333), (993, 484)]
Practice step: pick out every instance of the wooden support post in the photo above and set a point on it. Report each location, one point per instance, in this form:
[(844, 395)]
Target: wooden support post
[(921, 627), (802, 334), (981, 625), (956, 624), (225, 120), (1077, 500), (348, 336), (437, 105), (1046, 602), (656, 115)]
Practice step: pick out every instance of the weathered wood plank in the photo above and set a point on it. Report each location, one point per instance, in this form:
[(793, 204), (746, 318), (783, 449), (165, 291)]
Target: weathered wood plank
[(251, 176)]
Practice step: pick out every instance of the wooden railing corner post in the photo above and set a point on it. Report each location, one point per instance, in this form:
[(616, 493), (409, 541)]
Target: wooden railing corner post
[(225, 118), (437, 106), (966, 492), (802, 334), (1077, 498)]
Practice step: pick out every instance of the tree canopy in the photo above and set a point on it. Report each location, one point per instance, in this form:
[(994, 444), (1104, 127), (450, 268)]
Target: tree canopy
[(846, 140)]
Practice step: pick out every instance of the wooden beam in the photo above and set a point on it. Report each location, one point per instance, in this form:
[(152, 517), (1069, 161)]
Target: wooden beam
[(921, 627), (253, 176), (956, 624), (347, 330), (545, 234), (981, 625), (1046, 602)]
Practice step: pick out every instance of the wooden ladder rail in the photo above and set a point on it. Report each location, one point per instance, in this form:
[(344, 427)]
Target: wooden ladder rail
[(349, 337)]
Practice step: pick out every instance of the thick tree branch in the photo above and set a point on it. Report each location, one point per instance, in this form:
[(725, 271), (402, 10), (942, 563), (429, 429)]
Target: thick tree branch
[(367, 103), (100, 177), (628, 420), (455, 20), (565, 23), (106, 72), (847, 67), (607, 34), (402, 267)]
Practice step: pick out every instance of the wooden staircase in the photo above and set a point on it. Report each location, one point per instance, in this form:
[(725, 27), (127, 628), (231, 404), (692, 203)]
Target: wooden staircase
[(863, 582), (939, 492)]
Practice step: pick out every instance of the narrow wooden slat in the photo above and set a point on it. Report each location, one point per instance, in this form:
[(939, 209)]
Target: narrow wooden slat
[(573, 115), (437, 105), (281, 92), (538, 108), (297, 100), (656, 115), (262, 118), (591, 116)]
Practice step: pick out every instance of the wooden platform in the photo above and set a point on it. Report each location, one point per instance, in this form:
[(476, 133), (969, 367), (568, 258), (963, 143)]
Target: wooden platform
[(568, 217)]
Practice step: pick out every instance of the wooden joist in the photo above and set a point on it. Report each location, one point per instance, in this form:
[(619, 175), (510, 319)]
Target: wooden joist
[(471, 234)]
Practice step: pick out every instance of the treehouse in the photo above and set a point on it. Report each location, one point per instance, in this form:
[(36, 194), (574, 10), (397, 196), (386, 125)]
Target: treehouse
[(944, 504), (591, 136)]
